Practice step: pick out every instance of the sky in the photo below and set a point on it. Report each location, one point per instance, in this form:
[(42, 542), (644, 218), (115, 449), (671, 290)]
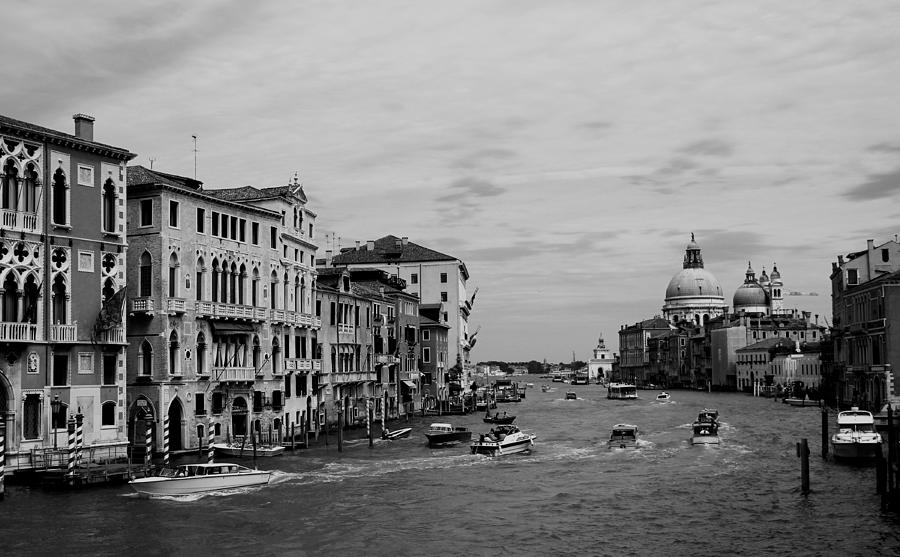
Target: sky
[(565, 151)]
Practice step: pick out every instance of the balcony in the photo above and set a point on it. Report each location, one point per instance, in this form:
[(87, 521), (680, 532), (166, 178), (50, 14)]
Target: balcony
[(114, 335), (64, 333), (344, 377), (176, 305), (345, 329), (19, 221), (142, 305), (221, 310), (18, 332), (387, 359), (277, 316), (233, 374)]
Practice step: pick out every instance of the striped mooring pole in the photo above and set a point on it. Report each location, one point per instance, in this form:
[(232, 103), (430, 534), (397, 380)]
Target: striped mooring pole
[(211, 438), (166, 442), (148, 445), (79, 436), (2, 454), (71, 450), (369, 420)]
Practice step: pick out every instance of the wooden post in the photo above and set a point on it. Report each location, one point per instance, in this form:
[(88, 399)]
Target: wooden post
[(803, 453), (253, 434), (881, 476), (824, 431), (210, 440), (148, 445), (369, 422), (79, 436), (2, 454), (293, 439), (892, 454), (166, 441), (340, 430), (325, 425)]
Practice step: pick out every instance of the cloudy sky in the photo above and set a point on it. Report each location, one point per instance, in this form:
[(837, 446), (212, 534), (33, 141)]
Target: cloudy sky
[(564, 150)]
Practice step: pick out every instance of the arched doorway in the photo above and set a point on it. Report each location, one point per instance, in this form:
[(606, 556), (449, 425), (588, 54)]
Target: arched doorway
[(239, 416), (176, 413), (141, 411)]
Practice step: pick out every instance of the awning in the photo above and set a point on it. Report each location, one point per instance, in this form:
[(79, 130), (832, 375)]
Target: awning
[(230, 328), (409, 384)]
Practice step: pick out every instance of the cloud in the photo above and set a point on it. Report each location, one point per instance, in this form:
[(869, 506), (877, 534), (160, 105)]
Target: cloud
[(878, 186), (470, 187), (709, 148), (484, 157), (885, 148)]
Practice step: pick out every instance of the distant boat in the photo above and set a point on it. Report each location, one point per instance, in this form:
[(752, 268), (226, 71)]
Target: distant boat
[(497, 418), (571, 395), (621, 391), (663, 397), (187, 479)]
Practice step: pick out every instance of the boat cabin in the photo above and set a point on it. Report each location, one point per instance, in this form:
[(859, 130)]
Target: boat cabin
[(442, 428), (621, 391), (623, 436), (856, 420), (207, 469), (708, 415), (704, 428)]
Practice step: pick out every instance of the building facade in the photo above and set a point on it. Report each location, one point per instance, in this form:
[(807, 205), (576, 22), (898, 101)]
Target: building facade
[(600, 365), (62, 269), (223, 334)]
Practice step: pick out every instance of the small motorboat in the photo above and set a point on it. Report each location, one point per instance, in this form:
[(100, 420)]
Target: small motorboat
[(856, 438), (571, 395), (497, 418), (443, 435), (624, 436), (390, 435), (242, 450), (186, 479), (503, 440), (708, 415), (705, 433), (663, 396)]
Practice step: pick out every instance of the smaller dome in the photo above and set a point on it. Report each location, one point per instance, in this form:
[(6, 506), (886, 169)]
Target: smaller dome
[(749, 294), (775, 274)]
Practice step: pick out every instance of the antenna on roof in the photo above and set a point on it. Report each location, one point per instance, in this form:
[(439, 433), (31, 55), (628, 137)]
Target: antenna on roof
[(195, 156), (152, 160), (297, 183)]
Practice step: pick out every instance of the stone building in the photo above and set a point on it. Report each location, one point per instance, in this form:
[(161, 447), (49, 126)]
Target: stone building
[(600, 364), (62, 271), (223, 334), (434, 350)]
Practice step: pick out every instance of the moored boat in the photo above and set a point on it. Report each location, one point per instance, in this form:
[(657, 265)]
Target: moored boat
[(856, 438), (442, 434), (624, 436), (503, 440), (186, 479), (390, 435), (242, 450)]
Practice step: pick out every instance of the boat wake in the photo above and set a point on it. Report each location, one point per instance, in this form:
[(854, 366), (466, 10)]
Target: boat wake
[(334, 472)]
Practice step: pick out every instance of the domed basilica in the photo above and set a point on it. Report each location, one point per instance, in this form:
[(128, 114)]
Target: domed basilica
[(759, 297), (693, 293)]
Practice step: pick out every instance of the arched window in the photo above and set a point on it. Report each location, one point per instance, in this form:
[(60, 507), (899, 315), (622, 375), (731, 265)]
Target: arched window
[(30, 300), (30, 189), (215, 280), (174, 360), (276, 353), (173, 276), (223, 293), (273, 283), (201, 354), (254, 288), (59, 300), (11, 298), (145, 358), (285, 294), (295, 217), (298, 303), (304, 305), (60, 198), (108, 413), (10, 185), (109, 206), (242, 284), (145, 276), (232, 285), (201, 271), (257, 360), (109, 288)]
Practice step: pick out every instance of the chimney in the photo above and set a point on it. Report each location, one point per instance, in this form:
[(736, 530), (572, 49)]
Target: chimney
[(870, 244), (84, 127), (328, 258), (370, 245), (357, 245), (405, 240)]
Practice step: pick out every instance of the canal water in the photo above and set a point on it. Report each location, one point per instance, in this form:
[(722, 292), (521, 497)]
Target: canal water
[(570, 496)]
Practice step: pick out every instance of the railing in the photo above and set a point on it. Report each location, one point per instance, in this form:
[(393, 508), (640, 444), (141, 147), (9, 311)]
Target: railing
[(302, 364), (217, 309), (233, 374), (276, 315), (387, 359), (345, 328), (18, 332), (64, 333), (114, 335), (342, 377), (18, 220), (142, 304), (176, 305)]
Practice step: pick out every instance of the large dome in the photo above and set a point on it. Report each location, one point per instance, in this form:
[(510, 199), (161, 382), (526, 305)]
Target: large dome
[(693, 281)]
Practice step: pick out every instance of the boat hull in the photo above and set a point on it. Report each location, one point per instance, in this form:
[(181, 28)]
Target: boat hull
[(855, 451), (504, 448), (396, 434), (199, 484), (446, 439), (705, 440)]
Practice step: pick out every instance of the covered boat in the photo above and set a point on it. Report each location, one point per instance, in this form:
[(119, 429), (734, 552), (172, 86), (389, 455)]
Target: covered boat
[(503, 440), (856, 438), (621, 391), (663, 396), (186, 479), (624, 436), (441, 434)]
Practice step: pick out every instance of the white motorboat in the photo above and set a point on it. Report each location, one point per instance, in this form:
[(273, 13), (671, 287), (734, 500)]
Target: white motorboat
[(705, 431), (624, 436), (186, 479), (245, 450), (663, 397), (856, 438), (391, 434), (503, 440)]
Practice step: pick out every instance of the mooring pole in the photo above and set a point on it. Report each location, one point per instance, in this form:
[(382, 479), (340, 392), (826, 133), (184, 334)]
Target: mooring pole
[(803, 453), (824, 430), (369, 421), (2, 454), (340, 430)]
